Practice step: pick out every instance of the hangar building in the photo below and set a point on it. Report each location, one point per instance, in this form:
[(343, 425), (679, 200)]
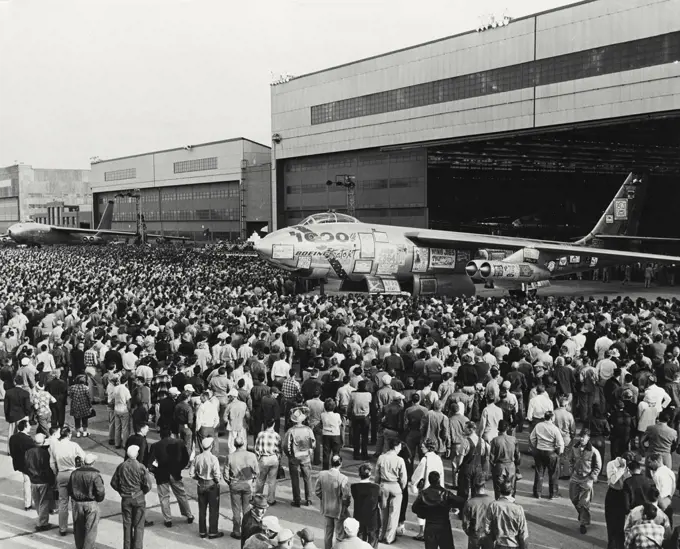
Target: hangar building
[(217, 190), (547, 114)]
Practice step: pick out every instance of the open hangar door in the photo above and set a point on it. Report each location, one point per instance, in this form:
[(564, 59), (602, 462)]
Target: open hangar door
[(554, 183)]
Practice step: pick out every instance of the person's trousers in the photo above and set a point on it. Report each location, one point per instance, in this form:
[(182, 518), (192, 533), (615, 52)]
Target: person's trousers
[(297, 469), (581, 495), (85, 523), (62, 486), (332, 530), (390, 504), (208, 500), (519, 417), (360, 427), (269, 468), (122, 429), (413, 443), (383, 435), (438, 536), (112, 426), (26, 484), (42, 499), (331, 447), (240, 499), (585, 406), (187, 437), (369, 531), (316, 460), (619, 445), (545, 461), (82, 422), (177, 487), (12, 428), (404, 505), (466, 474), (615, 517), (503, 472), (485, 543), (58, 414), (44, 424), (205, 432), (134, 515)]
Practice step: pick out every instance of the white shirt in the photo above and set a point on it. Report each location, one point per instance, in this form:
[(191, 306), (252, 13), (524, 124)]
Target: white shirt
[(48, 360), (129, 360), (280, 369), (431, 462), (602, 345), (207, 416), (121, 397), (538, 406), (664, 479), (656, 394)]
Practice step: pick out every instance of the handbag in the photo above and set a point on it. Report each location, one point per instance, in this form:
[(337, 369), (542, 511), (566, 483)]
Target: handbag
[(92, 413), (415, 490), (281, 473)]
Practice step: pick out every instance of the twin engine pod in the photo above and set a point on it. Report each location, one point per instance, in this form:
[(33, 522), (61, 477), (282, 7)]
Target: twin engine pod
[(524, 272)]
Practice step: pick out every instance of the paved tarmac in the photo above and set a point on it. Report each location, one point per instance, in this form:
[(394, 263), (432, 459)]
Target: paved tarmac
[(552, 524)]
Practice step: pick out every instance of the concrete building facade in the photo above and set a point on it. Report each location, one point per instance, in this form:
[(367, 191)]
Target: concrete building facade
[(25, 193), (218, 190), (390, 119)]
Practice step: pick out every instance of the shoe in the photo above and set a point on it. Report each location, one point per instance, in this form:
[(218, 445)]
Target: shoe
[(86, 434), (215, 536), (203, 536), (272, 503), (112, 442), (555, 496), (537, 496), (148, 523), (235, 535), (168, 524), (190, 520), (28, 508), (583, 528), (295, 503), (400, 530), (44, 528), (77, 434), (307, 503), (119, 447), (62, 533)]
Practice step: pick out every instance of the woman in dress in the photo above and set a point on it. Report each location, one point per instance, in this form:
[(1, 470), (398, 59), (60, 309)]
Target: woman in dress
[(81, 405)]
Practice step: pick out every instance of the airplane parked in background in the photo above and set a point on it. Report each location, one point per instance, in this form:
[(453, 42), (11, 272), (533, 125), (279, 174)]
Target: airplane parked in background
[(387, 259), (38, 234)]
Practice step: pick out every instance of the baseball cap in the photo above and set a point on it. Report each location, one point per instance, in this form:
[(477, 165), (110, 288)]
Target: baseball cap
[(285, 535), (306, 535), (271, 523)]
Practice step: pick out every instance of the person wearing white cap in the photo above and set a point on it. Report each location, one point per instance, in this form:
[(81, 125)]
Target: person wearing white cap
[(350, 529), (285, 539), (266, 535), (86, 489), (37, 467), (132, 481), (236, 417), (207, 474)]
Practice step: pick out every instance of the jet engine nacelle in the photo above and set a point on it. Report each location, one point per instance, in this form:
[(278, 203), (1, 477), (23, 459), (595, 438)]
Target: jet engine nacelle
[(473, 269), (93, 239), (502, 270), (452, 285)]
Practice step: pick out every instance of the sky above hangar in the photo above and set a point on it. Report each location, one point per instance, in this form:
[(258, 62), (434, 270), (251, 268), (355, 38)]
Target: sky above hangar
[(108, 78)]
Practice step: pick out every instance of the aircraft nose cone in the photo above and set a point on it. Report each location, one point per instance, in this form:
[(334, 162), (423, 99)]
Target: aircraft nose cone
[(471, 268), (485, 270), (263, 249)]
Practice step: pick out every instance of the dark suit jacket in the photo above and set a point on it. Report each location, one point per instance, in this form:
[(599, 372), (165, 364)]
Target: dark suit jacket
[(17, 404), (172, 457), (19, 444)]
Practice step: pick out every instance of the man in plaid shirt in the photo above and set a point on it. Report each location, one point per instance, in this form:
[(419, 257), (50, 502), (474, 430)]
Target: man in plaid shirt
[(290, 387), (268, 452), (647, 534)]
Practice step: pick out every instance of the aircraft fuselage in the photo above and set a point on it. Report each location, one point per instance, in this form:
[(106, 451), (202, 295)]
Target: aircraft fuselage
[(39, 234)]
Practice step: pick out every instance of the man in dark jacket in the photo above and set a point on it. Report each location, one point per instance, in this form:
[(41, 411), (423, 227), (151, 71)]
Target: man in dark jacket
[(37, 464), (166, 410), (434, 505), (139, 439), (167, 458), (19, 443), (59, 390), (86, 489), (17, 407)]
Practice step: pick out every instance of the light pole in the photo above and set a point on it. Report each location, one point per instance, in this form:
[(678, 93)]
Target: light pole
[(349, 182)]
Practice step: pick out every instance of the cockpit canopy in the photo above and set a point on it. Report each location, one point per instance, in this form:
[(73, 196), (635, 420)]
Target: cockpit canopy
[(328, 217)]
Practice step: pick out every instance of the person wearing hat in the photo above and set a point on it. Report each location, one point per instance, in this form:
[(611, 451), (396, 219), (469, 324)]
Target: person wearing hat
[(86, 490), (350, 539), (37, 467), (299, 443), (207, 474), (504, 458), (254, 522), (240, 471), (132, 481), (267, 536), (306, 538), (332, 488), (236, 418), (586, 464), (474, 512)]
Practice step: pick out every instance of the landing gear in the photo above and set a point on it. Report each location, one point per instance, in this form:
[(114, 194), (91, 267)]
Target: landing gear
[(521, 293)]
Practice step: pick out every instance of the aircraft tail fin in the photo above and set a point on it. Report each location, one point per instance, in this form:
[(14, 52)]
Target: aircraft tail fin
[(622, 216), (107, 218)]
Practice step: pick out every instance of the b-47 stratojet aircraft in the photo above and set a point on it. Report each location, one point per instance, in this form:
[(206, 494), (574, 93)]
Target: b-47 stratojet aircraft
[(38, 234), (388, 259)]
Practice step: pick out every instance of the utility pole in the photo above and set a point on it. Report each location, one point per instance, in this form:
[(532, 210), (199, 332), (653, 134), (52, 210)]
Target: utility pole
[(349, 182)]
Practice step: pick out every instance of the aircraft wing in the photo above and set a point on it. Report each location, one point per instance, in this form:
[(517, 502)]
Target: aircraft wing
[(640, 238), (168, 237), (444, 239), (76, 230)]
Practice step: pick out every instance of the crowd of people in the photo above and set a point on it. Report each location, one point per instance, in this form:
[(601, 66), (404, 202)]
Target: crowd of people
[(240, 378)]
